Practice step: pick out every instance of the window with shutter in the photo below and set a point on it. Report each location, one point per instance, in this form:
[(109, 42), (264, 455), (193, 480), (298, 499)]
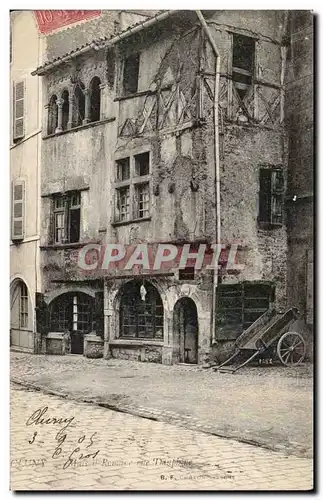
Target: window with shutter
[(19, 110), (18, 210)]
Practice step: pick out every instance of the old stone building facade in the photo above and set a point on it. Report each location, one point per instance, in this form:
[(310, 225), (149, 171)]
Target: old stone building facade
[(25, 149), (171, 131)]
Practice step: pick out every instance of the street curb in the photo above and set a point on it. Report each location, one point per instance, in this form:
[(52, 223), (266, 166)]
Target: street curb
[(171, 418)]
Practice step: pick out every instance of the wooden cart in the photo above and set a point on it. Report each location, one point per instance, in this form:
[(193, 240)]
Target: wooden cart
[(271, 330)]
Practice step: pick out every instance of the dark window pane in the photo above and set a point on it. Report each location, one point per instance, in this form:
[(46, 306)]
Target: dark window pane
[(142, 164), (123, 169), (75, 225), (243, 52), (186, 274), (95, 99)]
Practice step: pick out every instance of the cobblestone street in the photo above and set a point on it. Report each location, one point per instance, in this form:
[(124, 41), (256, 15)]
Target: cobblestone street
[(269, 406), (74, 445)]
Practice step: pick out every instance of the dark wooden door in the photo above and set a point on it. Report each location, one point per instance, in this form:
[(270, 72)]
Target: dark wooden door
[(77, 342)]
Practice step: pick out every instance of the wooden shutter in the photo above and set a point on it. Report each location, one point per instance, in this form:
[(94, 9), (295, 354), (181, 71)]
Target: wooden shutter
[(229, 312), (99, 314), (19, 110), (18, 210)]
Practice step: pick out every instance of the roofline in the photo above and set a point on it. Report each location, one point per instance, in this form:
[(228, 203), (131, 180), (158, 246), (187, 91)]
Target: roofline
[(99, 44)]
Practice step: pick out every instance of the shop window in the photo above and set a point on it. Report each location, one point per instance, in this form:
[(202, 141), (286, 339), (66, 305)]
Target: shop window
[(243, 63), (131, 74), (271, 195), (67, 217), (72, 312), (141, 319)]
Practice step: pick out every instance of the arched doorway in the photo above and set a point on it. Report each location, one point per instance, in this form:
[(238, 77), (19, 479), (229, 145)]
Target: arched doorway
[(141, 311), (73, 312), (185, 331), (21, 317)]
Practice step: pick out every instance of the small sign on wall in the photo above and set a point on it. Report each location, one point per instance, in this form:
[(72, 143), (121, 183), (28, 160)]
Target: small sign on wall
[(51, 20)]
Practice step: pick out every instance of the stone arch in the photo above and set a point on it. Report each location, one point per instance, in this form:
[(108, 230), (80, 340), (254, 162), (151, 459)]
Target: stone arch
[(114, 292), (126, 302), (72, 314), (67, 289), (185, 331)]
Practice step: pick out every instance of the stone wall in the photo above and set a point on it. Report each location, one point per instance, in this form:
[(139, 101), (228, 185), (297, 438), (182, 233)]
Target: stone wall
[(300, 123), (55, 343), (93, 346), (152, 354)]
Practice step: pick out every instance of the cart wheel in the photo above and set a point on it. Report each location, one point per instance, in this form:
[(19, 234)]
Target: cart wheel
[(291, 348)]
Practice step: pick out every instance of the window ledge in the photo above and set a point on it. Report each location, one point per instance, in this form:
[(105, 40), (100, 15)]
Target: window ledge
[(136, 342), (81, 127), (61, 246), (132, 221)]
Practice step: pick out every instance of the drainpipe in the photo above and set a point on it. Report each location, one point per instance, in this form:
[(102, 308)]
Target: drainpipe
[(217, 158)]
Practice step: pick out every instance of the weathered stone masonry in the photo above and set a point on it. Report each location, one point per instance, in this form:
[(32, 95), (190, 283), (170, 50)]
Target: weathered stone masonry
[(170, 118)]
